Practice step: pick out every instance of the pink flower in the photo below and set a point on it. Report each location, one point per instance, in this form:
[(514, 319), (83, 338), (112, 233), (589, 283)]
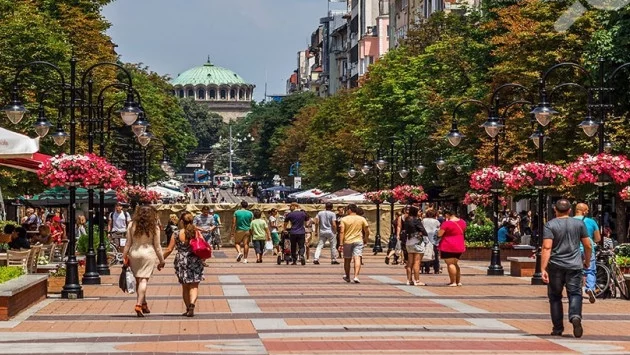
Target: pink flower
[(483, 179)]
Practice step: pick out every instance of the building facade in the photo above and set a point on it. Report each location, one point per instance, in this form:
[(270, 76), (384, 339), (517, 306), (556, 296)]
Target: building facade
[(222, 90)]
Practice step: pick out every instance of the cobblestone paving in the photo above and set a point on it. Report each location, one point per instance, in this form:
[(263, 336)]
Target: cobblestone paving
[(279, 309)]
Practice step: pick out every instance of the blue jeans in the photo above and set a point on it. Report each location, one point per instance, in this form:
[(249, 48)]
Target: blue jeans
[(560, 278), (591, 272)]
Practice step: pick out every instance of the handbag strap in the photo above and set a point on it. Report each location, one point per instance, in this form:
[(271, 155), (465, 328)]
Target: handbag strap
[(458, 226)]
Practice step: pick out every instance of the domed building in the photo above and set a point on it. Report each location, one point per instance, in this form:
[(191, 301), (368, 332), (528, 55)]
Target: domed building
[(221, 89)]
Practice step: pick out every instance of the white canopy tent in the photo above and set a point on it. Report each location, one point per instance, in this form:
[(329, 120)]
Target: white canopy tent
[(312, 193), (15, 145), (166, 192), (359, 197)]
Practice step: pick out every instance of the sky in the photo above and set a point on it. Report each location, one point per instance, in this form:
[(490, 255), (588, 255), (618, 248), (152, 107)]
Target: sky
[(257, 39)]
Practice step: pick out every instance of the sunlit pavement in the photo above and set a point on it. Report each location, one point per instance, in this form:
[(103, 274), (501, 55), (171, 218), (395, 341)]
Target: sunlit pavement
[(284, 309)]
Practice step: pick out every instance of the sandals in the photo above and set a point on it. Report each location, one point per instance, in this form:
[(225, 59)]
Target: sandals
[(138, 310)]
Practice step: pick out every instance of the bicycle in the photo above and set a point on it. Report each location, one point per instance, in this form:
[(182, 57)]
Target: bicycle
[(609, 277), (114, 252)]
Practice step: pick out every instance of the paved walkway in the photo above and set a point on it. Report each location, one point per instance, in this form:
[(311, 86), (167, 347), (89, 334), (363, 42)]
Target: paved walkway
[(271, 309)]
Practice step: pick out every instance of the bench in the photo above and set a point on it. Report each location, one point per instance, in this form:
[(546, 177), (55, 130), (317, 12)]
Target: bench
[(522, 266)]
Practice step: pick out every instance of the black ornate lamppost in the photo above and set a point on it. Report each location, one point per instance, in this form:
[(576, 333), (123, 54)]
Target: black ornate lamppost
[(15, 111), (380, 163), (600, 97), (493, 126)]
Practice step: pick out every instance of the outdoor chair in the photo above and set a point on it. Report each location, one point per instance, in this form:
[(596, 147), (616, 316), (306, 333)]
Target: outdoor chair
[(48, 250), (60, 251), (33, 256), (18, 258)]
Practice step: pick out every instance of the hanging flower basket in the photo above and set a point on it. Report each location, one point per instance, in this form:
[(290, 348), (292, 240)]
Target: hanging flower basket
[(602, 169), (481, 199), (137, 195), (89, 171), (380, 196), (537, 175), (487, 179), (625, 194), (409, 194)]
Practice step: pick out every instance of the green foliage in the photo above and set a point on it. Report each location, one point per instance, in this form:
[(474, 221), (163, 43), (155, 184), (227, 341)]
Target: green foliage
[(82, 242), (623, 250), (4, 223), (479, 233), (206, 125), (623, 261), (10, 272)]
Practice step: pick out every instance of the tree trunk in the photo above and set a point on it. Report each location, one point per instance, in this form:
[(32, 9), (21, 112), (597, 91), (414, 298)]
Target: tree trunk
[(621, 227)]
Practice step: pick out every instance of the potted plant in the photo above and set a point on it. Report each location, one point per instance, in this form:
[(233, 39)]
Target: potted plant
[(380, 196), (137, 195), (409, 194), (481, 199), (599, 169), (487, 179), (89, 171), (533, 175), (623, 258)]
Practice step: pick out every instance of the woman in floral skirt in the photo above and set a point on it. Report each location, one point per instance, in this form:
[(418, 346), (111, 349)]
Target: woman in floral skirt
[(188, 266)]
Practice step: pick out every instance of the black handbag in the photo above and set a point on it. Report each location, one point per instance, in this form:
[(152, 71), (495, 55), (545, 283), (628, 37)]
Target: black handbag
[(122, 280)]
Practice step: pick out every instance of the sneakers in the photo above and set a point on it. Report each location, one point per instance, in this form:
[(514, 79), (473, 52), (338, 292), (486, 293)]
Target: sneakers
[(303, 261), (356, 280), (577, 327), (334, 262), (316, 262), (591, 296), (408, 283), (239, 257), (346, 279), (244, 261), (556, 333)]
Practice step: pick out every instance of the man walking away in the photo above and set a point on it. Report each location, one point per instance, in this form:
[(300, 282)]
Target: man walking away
[(581, 210), (562, 265), (354, 234), (326, 222), (297, 218), (241, 225)]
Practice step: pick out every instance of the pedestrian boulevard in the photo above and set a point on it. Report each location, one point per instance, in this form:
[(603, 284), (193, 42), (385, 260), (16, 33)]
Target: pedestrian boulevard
[(283, 309)]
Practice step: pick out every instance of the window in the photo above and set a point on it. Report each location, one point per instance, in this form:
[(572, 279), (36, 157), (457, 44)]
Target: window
[(212, 94), (241, 94), (181, 93), (201, 94), (223, 94), (191, 93), (232, 94)]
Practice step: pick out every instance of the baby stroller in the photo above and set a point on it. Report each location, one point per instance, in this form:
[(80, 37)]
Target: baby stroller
[(215, 239), (285, 254)]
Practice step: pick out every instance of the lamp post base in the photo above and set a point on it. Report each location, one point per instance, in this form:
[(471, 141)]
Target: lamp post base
[(537, 279), (495, 268), (91, 276), (72, 289), (101, 260), (537, 276), (378, 248)]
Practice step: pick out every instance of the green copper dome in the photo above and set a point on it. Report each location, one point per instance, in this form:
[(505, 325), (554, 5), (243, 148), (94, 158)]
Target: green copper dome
[(208, 74)]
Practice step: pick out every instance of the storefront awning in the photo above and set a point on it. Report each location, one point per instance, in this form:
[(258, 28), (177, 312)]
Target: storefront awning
[(29, 164)]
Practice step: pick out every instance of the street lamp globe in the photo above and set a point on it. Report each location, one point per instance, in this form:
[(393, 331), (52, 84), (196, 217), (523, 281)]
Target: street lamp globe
[(15, 111), (589, 126), (458, 168), (543, 114), (440, 163), (352, 172), (252, 139), (42, 126), (608, 147), (365, 168), (535, 137), (139, 127), (60, 136), (454, 137), (381, 163), (493, 126), (420, 169), (403, 172), (145, 139), (129, 114)]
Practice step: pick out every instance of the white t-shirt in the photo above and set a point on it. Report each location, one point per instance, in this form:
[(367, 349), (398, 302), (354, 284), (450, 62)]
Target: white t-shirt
[(432, 226), (326, 219), (274, 229), (120, 221)]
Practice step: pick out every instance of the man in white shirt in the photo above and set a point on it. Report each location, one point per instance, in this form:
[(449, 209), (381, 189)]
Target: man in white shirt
[(117, 225), (326, 227)]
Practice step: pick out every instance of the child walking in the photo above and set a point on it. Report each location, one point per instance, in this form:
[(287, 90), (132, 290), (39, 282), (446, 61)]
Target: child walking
[(260, 234)]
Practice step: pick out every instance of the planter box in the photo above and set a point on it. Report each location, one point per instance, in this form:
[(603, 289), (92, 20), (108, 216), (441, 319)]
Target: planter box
[(20, 293), (55, 283), (483, 253)]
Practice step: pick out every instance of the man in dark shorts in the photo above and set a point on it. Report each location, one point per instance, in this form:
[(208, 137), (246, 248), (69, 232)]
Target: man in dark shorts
[(562, 265)]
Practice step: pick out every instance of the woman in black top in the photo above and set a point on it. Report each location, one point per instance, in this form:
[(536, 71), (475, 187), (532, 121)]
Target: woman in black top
[(415, 246), (20, 241)]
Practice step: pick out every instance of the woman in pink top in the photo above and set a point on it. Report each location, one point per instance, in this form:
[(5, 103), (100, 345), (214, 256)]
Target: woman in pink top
[(452, 245)]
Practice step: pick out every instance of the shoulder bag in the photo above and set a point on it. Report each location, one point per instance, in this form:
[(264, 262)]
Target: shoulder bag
[(200, 247)]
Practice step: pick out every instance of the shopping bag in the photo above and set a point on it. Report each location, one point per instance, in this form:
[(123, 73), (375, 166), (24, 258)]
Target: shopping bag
[(269, 245), (122, 280), (130, 280)]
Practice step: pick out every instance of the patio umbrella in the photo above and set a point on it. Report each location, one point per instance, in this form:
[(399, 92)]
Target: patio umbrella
[(19, 151), (60, 196)]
